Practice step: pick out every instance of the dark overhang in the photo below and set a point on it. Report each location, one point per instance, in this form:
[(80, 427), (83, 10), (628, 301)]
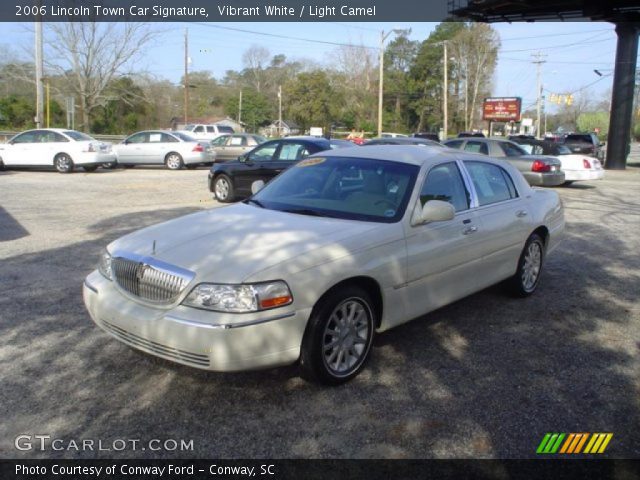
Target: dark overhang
[(492, 11)]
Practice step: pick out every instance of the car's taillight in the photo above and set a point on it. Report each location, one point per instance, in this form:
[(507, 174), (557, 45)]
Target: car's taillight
[(586, 163), (540, 166), (198, 148)]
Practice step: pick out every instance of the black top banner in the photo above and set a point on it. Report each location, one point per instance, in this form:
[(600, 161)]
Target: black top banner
[(226, 10)]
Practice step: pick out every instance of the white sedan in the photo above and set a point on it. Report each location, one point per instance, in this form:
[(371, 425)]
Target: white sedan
[(344, 244), (58, 147)]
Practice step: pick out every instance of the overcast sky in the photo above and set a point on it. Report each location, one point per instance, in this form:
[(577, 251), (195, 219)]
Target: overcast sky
[(573, 50)]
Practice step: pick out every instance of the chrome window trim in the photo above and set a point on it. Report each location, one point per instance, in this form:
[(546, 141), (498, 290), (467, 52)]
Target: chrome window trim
[(226, 326), (478, 206), (464, 182)]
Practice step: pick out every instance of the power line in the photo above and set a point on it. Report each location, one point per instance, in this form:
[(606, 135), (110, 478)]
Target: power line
[(554, 46), (556, 34)]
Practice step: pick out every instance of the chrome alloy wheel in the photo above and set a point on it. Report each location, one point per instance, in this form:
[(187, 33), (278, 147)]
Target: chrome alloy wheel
[(346, 337), (174, 162), (531, 267), (63, 163), (222, 188)]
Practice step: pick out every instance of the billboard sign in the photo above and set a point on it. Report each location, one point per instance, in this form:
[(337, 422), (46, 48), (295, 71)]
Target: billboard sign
[(502, 109)]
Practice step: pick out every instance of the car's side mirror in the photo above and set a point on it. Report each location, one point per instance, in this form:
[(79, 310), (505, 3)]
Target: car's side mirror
[(257, 186), (243, 158), (432, 211)]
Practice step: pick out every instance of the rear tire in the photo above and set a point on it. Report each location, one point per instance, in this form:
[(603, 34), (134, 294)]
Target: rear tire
[(223, 189), (173, 161), (527, 276), (338, 337), (63, 163)]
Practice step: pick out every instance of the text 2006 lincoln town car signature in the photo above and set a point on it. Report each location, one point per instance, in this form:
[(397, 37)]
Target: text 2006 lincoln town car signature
[(341, 245)]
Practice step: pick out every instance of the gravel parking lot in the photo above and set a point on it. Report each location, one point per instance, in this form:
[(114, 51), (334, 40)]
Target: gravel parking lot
[(485, 377)]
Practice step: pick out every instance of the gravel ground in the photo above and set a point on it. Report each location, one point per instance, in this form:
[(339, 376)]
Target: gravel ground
[(486, 377)]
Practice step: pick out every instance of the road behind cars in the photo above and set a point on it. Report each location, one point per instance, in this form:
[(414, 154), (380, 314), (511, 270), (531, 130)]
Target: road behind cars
[(485, 377)]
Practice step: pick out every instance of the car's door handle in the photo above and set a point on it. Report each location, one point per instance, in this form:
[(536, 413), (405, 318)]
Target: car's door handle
[(521, 213), (470, 230)]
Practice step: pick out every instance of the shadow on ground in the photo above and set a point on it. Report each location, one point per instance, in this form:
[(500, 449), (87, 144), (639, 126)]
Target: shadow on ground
[(484, 377)]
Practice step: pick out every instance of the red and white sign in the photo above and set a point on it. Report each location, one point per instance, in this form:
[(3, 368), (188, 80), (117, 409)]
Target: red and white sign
[(502, 109)]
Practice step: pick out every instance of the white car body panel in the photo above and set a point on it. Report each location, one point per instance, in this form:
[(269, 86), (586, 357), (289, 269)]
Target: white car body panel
[(43, 154), (574, 169), (417, 268)]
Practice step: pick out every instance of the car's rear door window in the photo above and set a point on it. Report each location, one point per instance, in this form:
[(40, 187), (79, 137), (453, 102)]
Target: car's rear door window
[(511, 149), (476, 147), (492, 183), (291, 152)]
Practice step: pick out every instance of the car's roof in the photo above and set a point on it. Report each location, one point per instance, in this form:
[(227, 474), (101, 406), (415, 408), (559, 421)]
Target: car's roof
[(402, 141), (411, 154)]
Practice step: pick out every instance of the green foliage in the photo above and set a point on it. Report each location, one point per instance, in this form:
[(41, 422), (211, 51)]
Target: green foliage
[(589, 121), (122, 111), (16, 113), (312, 101), (256, 109), (636, 132)]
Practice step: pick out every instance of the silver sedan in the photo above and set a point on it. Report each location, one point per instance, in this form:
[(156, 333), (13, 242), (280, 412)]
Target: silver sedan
[(230, 147), (155, 147)]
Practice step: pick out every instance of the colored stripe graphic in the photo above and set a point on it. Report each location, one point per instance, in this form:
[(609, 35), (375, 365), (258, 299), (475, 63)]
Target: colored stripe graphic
[(574, 443)]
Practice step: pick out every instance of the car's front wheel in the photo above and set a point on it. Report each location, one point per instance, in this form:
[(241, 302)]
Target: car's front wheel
[(223, 189), (63, 163), (525, 281), (338, 338)]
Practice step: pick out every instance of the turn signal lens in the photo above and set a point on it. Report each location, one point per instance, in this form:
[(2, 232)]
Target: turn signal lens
[(540, 166), (586, 163), (198, 148)]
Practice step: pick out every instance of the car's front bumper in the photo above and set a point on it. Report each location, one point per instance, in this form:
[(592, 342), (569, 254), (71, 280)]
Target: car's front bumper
[(194, 337), (546, 179), (93, 158)]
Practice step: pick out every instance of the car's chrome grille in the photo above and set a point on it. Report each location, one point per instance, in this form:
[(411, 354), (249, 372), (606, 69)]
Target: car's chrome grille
[(195, 359), (149, 278)]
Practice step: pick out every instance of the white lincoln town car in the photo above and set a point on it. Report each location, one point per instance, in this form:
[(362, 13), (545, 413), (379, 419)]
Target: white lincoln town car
[(344, 244)]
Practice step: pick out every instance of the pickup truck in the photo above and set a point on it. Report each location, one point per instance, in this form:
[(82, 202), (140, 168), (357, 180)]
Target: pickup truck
[(207, 132)]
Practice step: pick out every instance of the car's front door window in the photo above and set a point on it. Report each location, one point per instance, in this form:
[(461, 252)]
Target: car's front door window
[(138, 138), (263, 154), (444, 182)]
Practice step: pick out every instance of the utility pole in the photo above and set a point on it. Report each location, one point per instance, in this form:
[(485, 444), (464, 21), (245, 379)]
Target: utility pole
[(240, 109), (538, 62), (186, 75), (383, 37), (445, 96), (39, 73), (279, 110)]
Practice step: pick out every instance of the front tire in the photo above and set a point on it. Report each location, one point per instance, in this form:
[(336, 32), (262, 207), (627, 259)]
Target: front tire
[(338, 338), (223, 189), (173, 161), (63, 163), (526, 279)]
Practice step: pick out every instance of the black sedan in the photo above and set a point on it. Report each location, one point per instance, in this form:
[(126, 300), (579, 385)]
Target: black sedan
[(232, 180)]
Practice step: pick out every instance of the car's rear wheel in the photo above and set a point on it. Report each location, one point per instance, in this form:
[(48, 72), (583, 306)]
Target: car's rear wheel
[(63, 163), (109, 165), (90, 168), (1, 164), (568, 183), (173, 161), (338, 338), (526, 279), (223, 189)]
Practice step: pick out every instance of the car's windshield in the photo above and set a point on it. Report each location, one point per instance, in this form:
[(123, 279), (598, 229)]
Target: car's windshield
[(342, 187), (190, 127), (78, 136)]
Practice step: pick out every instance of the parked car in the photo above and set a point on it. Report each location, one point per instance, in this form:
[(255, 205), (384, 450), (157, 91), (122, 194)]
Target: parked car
[(428, 135), (344, 244), (155, 147), (471, 134), (421, 142), (230, 147), (585, 143), (538, 170), (576, 167), (392, 135), (232, 180), (60, 148), (207, 132)]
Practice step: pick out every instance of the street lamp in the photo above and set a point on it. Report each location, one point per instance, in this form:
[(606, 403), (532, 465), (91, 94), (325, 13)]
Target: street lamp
[(383, 37)]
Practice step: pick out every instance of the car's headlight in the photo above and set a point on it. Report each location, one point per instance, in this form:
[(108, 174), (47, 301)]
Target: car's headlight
[(239, 298), (104, 264)]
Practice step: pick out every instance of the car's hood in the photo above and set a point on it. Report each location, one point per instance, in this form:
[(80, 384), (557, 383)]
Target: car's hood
[(229, 244)]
